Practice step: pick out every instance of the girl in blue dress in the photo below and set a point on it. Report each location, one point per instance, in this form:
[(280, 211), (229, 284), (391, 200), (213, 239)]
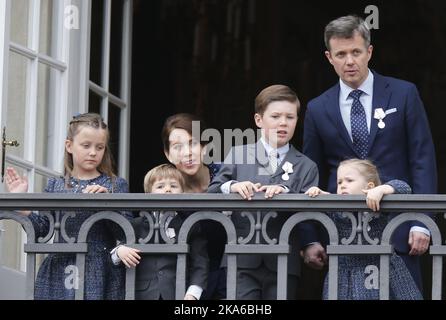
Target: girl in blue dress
[(355, 281), (88, 169)]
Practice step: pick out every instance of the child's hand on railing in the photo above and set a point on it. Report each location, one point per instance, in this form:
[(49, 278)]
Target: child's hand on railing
[(375, 195), (272, 190), (246, 189), (315, 191), (129, 256)]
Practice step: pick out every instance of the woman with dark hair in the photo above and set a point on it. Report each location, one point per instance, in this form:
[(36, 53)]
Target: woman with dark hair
[(186, 152)]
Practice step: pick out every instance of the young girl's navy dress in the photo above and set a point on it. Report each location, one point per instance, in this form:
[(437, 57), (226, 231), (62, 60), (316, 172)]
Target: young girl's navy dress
[(354, 270), (103, 280)]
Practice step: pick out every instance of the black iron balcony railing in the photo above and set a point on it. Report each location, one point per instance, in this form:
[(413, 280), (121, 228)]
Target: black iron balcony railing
[(210, 207)]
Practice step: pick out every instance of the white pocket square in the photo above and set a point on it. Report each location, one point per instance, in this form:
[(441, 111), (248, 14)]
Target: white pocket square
[(389, 111)]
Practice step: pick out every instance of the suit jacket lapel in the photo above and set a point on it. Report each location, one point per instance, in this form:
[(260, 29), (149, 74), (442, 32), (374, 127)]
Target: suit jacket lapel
[(334, 113), (381, 98)]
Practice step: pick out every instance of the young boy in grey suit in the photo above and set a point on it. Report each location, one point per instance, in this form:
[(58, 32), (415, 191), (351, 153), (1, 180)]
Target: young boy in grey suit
[(156, 273), (271, 166)]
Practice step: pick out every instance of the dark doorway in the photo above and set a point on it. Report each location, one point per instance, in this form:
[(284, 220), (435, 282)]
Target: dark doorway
[(212, 57)]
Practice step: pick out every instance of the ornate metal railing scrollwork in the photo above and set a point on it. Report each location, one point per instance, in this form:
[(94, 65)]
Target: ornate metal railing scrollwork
[(227, 224), (329, 225), (252, 227), (51, 224), (31, 239), (259, 212), (265, 221), (436, 249), (63, 222), (82, 238), (149, 219), (353, 220), (366, 219), (164, 217)]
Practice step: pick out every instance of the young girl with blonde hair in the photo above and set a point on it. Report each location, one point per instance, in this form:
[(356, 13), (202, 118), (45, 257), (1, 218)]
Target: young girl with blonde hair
[(88, 169)]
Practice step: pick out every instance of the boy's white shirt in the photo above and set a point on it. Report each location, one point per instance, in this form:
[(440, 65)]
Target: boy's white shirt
[(282, 151)]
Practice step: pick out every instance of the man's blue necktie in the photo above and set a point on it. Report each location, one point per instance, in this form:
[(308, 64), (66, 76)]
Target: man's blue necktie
[(358, 121)]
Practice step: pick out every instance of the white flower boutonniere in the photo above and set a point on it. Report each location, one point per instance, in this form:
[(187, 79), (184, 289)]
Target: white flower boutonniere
[(288, 168)]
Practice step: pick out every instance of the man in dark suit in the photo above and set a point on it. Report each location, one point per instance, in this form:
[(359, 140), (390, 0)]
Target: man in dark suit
[(270, 166), (367, 115)]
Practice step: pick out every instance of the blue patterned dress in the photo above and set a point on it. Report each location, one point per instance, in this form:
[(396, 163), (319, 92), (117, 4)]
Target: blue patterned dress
[(103, 280), (354, 271)]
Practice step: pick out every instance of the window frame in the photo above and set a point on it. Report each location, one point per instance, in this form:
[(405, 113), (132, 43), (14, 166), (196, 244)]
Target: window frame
[(69, 62)]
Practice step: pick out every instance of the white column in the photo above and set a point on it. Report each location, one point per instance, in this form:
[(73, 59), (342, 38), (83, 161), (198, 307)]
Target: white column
[(5, 8), (126, 78)]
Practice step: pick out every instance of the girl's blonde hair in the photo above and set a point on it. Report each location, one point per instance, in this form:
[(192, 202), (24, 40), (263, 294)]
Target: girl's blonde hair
[(164, 171), (92, 120), (365, 167)]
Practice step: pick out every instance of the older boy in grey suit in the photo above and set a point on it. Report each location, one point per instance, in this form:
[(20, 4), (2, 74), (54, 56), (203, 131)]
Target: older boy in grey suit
[(271, 166)]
